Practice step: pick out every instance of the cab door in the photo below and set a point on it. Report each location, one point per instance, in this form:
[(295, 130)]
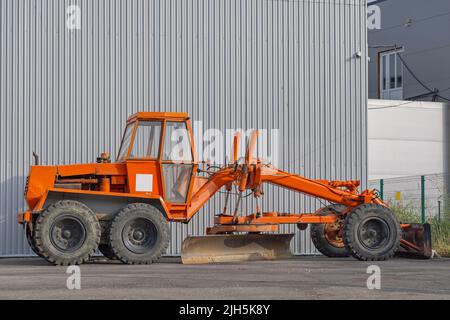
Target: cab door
[(177, 162), (143, 169)]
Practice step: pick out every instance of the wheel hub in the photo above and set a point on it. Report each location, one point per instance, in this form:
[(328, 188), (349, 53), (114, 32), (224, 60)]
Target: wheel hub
[(333, 233), (67, 233), (373, 233), (139, 235)]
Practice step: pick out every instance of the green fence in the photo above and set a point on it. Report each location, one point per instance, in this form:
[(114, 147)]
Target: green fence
[(424, 196)]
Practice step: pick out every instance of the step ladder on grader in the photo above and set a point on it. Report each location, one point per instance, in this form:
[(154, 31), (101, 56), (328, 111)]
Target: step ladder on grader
[(123, 208)]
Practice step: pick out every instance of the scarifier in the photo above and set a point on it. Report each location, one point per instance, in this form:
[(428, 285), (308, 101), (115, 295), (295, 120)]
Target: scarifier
[(123, 208)]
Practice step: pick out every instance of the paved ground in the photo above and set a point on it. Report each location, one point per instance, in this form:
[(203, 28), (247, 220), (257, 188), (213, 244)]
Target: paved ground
[(299, 278)]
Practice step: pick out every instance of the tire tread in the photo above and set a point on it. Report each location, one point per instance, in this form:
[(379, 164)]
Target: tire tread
[(123, 214), (39, 237), (350, 222)]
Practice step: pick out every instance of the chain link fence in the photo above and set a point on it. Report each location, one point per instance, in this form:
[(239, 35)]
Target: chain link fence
[(425, 196)]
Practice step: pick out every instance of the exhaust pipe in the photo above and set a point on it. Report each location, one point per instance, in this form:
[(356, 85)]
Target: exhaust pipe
[(36, 158)]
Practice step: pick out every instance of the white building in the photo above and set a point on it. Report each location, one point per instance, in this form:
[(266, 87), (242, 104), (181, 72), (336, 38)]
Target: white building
[(406, 138)]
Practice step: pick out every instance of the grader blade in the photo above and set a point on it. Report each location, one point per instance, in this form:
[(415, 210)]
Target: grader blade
[(415, 241), (234, 248)]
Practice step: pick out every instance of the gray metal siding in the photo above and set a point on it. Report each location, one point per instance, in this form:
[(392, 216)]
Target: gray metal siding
[(230, 63)]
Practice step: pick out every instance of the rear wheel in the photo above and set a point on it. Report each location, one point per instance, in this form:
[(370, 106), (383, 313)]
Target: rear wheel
[(139, 234), (327, 237), (67, 232), (371, 232)]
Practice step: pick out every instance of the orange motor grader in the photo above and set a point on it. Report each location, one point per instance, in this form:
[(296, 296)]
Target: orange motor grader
[(123, 208)]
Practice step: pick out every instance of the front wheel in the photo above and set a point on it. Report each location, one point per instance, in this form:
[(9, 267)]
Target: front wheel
[(371, 232)]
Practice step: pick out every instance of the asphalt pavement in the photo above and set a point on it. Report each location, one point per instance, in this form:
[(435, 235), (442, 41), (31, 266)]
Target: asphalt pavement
[(302, 277)]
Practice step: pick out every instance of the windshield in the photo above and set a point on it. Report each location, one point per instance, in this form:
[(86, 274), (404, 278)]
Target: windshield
[(146, 140)]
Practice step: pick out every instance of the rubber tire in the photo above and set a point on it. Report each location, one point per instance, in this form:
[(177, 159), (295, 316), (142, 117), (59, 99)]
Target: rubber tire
[(132, 211), (107, 251), (352, 223), (30, 239), (320, 241), (42, 231)]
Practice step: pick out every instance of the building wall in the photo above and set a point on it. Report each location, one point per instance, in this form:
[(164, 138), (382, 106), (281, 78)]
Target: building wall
[(287, 65), (425, 41), (406, 138)]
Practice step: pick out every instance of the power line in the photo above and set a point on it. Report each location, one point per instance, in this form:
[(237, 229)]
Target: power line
[(413, 21), (412, 53), (420, 96), (431, 91), (393, 106), (443, 97), (412, 73), (383, 46)]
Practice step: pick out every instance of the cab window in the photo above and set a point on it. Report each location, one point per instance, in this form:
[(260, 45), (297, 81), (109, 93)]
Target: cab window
[(125, 142), (177, 146), (146, 140), (177, 161)]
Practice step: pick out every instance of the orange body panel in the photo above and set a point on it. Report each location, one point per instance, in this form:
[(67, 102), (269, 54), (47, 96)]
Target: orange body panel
[(146, 168), (40, 205), (318, 188), (209, 189), (114, 169), (41, 179), (178, 116), (198, 183)]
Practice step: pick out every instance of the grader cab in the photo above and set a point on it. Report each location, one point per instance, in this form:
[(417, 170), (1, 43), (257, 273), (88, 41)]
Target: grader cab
[(123, 207)]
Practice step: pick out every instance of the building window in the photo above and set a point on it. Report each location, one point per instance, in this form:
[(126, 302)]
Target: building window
[(391, 75)]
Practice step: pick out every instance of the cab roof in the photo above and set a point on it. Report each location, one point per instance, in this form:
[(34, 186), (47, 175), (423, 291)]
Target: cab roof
[(158, 116)]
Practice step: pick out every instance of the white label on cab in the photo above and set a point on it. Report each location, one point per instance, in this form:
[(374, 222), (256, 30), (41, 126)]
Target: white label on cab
[(144, 182)]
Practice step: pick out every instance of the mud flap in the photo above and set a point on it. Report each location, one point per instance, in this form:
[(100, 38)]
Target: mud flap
[(233, 248), (415, 241)]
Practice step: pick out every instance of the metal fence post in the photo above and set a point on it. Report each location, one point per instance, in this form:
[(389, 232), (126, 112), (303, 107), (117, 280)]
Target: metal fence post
[(439, 210), (422, 197), (382, 189)]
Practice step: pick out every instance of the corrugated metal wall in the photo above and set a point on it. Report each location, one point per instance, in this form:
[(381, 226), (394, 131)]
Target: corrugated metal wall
[(230, 63)]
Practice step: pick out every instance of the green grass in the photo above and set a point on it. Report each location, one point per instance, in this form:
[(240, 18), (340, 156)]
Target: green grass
[(440, 232), (405, 214), (440, 229)]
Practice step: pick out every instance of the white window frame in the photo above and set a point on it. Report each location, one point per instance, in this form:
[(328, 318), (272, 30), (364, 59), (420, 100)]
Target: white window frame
[(386, 92)]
